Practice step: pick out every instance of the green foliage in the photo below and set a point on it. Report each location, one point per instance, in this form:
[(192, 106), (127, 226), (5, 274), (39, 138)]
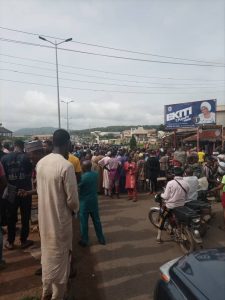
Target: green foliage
[(107, 137), (141, 145), (161, 127), (133, 143)]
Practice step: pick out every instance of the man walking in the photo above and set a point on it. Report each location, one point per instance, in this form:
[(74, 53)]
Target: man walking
[(57, 200), (89, 204)]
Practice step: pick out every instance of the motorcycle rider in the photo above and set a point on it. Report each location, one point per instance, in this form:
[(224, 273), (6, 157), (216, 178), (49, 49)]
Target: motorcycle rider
[(193, 184), (175, 195)]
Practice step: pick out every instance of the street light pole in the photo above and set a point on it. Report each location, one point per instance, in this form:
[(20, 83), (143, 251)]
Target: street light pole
[(57, 70), (67, 113), (57, 78)]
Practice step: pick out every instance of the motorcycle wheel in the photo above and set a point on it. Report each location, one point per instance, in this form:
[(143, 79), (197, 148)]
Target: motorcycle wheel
[(187, 244), (154, 217)]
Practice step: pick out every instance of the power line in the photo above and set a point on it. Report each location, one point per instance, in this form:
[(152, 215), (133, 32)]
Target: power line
[(99, 90), (110, 84), (111, 56), (108, 72), (112, 48)]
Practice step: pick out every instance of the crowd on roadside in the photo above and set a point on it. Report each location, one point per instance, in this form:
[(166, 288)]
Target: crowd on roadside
[(68, 179), (145, 170)]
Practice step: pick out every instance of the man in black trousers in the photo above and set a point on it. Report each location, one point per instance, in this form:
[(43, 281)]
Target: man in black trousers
[(18, 171)]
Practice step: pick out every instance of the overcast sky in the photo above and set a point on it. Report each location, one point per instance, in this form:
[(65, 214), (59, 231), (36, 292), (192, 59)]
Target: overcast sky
[(191, 29)]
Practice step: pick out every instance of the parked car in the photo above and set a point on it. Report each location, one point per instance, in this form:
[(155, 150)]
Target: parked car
[(196, 276)]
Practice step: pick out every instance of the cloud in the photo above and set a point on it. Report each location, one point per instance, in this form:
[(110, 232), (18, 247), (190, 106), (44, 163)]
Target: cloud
[(190, 29)]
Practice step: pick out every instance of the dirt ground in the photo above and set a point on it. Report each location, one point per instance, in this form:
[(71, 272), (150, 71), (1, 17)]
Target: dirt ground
[(126, 268)]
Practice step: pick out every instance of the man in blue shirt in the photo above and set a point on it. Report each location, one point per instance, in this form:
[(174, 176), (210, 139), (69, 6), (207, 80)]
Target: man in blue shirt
[(89, 204)]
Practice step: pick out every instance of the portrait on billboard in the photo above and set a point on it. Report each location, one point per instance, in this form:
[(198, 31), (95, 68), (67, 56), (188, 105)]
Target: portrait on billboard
[(190, 114), (206, 116)]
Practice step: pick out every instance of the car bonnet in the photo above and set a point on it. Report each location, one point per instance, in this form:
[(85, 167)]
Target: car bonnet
[(203, 271)]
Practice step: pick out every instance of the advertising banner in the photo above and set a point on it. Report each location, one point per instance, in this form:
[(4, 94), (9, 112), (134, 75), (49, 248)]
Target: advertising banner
[(190, 114)]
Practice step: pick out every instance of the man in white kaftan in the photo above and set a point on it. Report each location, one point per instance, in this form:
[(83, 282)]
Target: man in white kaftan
[(57, 200), (104, 163)]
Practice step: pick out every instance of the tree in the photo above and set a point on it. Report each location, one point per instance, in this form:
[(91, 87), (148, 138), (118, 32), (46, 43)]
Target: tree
[(161, 127), (133, 143)]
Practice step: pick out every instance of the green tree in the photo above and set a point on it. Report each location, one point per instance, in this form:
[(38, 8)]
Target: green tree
[(161, 127), (133, 143)]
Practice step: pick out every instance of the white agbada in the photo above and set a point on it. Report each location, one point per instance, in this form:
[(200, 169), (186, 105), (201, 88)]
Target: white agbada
[(57, 199), (104, 162)]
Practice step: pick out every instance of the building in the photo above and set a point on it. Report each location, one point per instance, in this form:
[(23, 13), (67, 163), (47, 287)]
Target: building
[(101, 136), (42, 137), (141, 135), (5, 133), (220, 115)]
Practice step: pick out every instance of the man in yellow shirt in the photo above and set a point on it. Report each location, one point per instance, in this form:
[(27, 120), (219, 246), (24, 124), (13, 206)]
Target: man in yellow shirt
[(76, 164), (201, 156)]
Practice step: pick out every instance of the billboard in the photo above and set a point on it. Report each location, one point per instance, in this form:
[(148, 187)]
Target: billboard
[(190, 114)]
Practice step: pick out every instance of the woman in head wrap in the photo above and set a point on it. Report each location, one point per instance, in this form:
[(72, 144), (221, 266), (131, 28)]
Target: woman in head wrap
[(206, 116), (130, 168)]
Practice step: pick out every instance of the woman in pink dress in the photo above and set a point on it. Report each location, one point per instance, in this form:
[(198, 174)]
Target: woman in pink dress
[(130, 168)]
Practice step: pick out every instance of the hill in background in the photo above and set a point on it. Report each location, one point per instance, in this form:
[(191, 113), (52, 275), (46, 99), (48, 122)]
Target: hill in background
[(111, 129), (34, 131), (50, 130)]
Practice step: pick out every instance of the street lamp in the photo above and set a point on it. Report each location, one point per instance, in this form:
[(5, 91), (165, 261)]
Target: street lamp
[(67, 115), (57, 72)]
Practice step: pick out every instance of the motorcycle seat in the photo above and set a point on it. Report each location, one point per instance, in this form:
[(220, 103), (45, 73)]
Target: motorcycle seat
[(197, 205), (185, 214)]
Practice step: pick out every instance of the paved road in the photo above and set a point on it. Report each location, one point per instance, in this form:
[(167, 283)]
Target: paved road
[(127, 267)]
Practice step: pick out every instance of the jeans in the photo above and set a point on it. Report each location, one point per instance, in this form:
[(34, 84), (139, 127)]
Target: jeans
[(1, 243)]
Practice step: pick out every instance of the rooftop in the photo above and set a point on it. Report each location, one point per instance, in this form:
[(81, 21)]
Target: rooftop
[(4, 130)]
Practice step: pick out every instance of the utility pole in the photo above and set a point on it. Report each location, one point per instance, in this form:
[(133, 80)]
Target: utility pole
[(57, 71), (67, 111)]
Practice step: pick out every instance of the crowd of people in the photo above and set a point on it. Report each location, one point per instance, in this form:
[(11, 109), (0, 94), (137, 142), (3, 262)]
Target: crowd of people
[(144, 170), (68, 180)]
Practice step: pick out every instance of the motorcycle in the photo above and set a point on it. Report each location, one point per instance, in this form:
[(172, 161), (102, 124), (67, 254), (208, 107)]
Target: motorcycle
[(204, 210), (183, 225)]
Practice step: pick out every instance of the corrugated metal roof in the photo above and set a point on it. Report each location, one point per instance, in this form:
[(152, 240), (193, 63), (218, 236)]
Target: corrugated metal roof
[(4, 130), (207, 135)]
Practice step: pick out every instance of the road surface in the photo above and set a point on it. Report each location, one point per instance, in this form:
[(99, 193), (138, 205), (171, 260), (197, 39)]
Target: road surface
[(128, 266)]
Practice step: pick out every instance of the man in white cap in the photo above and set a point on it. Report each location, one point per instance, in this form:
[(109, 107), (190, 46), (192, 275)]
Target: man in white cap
[(206, 116)]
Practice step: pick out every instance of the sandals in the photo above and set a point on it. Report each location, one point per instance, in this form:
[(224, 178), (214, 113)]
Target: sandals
[(9, 246), (159, 241)]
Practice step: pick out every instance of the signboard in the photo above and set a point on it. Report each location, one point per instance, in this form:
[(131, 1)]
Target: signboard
[(190, 114)]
